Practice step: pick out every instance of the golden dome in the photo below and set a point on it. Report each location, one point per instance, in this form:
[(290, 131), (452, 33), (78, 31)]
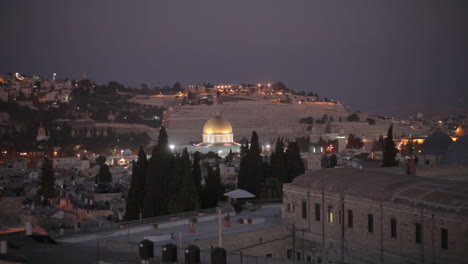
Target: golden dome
[(217, 125)]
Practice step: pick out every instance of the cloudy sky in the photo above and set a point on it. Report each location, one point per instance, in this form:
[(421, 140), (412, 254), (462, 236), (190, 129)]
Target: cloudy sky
[(387, 57)]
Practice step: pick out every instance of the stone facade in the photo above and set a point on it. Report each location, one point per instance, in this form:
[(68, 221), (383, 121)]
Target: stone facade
[(336, 227)]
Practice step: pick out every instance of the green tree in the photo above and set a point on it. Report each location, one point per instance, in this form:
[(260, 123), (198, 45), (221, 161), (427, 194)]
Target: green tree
[(188, 197), (212, 192), (354, 142), (294, 163), (158, 177), (251, 171), (278, 168), (389, 150), (136, 193), (104, 175), (370, 121), (196, 172), (47, 180), (354, 117)]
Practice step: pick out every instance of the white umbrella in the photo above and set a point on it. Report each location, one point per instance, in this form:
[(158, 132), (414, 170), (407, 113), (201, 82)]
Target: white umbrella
[(239, 193)]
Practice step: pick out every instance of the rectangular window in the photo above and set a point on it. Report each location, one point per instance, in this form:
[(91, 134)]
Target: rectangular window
[(393, 227), (317, 212), (370, 223), (350, 218), (304, 209), (309, 259), (330, 214), (444, 238), (298, 256), (418, 233), (289, 254), (269, 255)]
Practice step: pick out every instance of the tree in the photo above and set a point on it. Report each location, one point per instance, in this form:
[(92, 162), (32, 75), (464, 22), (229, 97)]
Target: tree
[(47, 180), (187, 198), (294, 163), (278, 162), (354, 117), (212, 193), (354, 142), (333, 161), (251, 174), (104, 175), (307, 120), (196, 172), (279, 87), (370, 121), (389, 150), (328, 128), (136, 193), (158, 177)]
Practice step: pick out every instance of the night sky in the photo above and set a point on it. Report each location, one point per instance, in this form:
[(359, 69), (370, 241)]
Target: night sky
[(385, 57)]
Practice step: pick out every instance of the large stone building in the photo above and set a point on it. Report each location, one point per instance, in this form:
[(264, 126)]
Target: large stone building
[(361, 216)]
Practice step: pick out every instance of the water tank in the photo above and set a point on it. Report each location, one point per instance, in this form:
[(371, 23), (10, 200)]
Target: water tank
[(192, 254), (169, 253), (218, 256), (146, 249)]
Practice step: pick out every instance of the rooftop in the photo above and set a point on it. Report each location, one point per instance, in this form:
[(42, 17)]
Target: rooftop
[(436, 194)]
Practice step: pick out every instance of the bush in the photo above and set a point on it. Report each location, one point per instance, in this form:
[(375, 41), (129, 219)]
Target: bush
[(307, 120), (353, 117), (371, 121)]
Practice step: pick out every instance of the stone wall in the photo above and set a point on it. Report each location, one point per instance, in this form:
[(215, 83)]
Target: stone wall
[(10, 210)]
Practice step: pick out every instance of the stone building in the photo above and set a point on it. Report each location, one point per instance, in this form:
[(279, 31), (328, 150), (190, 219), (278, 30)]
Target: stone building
[(361, 216), (434, 148)]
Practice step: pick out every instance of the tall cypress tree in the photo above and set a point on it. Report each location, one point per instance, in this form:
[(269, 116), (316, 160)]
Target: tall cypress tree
[(136, 193), (212, 193), (187, 198), (47, 180), (278, 162), (196, 172), (389, 150), (294, 163), (157, 177), (251, 172)]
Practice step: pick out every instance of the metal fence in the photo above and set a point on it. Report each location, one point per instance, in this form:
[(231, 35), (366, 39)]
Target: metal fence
[(126, 224)]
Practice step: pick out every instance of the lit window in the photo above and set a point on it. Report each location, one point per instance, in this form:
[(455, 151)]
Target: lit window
[(330, 214)]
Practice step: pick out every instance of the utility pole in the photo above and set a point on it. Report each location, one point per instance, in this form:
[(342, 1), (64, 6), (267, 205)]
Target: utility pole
[(219, 228)]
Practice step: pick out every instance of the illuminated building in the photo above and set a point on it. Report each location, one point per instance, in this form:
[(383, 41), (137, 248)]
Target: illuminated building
[(218, 137)]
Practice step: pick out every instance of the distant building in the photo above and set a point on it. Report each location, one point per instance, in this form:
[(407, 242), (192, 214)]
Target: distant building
[(359, 216), (434, 148), (218, 137)]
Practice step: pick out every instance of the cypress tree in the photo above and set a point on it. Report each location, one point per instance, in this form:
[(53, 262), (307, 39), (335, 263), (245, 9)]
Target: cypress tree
[(389, 150), (212, 192), (251, 172), (157, 177), (294, 163), (187, 198), (104, 175), (136, 193), (196, 173), (278, 162), (47, 180)]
